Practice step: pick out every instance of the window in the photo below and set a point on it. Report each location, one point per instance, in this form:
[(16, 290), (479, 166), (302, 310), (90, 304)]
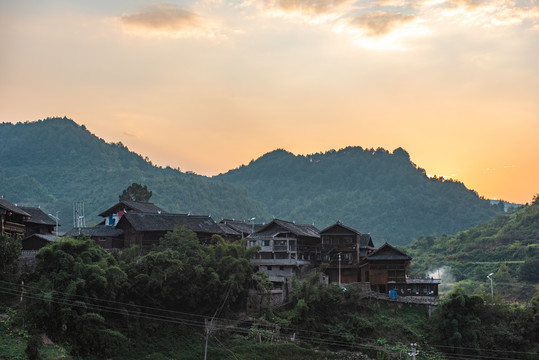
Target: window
[(265, 242), (252, 242), (292, 244), (269, 268)]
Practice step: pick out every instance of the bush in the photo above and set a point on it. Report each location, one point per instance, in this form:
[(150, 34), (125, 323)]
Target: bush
[(32, 347)]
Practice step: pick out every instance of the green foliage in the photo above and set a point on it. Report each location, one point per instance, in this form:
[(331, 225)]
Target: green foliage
[(32, 347), (371, 190), (182, 274), (66, 292), (97, 172), (456, 321), (506, 246), (463, 323), (136, 192), (10, 250)]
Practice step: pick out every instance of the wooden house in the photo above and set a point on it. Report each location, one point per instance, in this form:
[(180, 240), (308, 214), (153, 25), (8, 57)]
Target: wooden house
[(108, 237), (39, 222), (241, 227), (36, 241), (12, 219), (115, 213), (285, 247), (384, 267), (343, 250), (145, 229), (40, 230)]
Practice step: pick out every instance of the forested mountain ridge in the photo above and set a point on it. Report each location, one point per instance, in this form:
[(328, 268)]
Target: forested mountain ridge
[(373, 191), (53, 162), (507, 246)]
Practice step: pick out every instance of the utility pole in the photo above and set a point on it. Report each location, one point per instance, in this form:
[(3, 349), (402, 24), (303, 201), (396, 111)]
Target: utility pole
[(55, 218), (252, 220), (340, 270), (489, 276), (414, 352), (208, 329)]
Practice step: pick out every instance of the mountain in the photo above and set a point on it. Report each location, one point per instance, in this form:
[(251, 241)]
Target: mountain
[(53, 162), (507, 246), (374, 191)]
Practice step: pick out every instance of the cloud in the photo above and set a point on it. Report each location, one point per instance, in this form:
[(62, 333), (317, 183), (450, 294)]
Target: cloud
[(309, 7), (470, 4), (491, 13), (378, 23), (397, 24), (167, 20)]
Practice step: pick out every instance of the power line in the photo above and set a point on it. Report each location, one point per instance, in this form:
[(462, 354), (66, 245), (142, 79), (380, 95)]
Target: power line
[(200, 324)]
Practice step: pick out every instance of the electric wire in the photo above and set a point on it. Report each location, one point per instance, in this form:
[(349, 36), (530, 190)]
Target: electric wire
[(200, 324)]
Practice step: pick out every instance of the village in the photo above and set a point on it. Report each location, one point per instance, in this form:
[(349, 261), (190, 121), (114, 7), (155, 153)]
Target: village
[(287, 250)]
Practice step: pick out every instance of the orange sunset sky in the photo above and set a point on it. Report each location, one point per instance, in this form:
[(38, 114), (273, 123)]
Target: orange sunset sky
[(209, 85)]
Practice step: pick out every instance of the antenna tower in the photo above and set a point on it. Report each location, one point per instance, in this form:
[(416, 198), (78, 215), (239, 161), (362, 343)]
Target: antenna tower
[(79, 221)]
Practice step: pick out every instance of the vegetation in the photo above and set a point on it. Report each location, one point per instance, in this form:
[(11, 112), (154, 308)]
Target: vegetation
[(95, 304), (136, 192), (10, 250), (465, 324), (374, 191), (507, 246), (59, 162)]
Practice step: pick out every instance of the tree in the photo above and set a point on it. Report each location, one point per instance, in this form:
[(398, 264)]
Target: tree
[(136, 192), (456, 323), (10, 250), (68, 294), (182, 274)]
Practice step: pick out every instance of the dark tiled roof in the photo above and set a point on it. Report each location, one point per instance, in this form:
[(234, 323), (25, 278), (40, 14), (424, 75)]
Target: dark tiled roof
[(388, 252), (37, 216), (96, 231), (296, 229), (133, 206), (228, 230), (327, 231), (365, 241), (167, 222), (6, 205), (46, 237), (241, 226)]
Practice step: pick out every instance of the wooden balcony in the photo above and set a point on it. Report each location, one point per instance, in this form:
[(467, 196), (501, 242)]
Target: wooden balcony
[(11, 227), (277, 262)]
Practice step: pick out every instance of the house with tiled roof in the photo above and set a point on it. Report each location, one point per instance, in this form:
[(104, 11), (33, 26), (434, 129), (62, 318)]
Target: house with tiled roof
[(145, 229), (285, 249), (40, 229), (12, 219), (385, 270), (241, 227), (115, 213), (39, 222), (341, 248)]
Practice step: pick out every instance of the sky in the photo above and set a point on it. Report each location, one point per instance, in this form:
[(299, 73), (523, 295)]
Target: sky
[(209, 85)]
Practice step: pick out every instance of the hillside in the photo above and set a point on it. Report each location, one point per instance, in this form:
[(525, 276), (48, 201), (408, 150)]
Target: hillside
[(373, 191), (54, 162), (507, 246)]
